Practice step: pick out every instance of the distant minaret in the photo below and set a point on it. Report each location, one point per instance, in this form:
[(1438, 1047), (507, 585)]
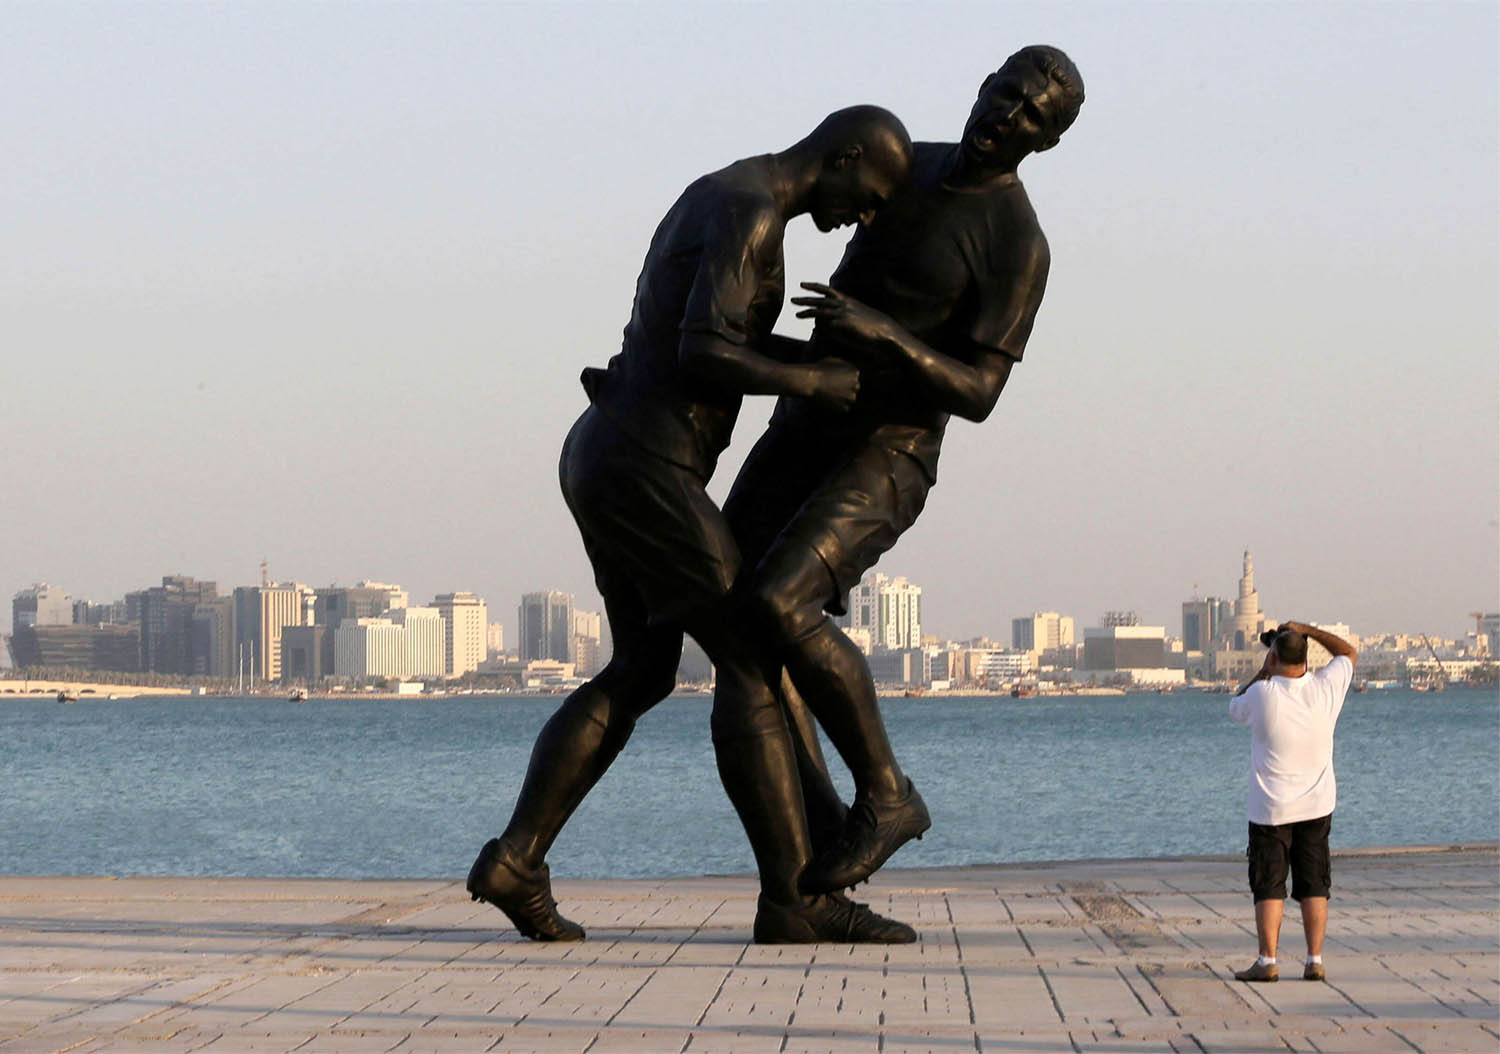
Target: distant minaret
[(1248, 605)]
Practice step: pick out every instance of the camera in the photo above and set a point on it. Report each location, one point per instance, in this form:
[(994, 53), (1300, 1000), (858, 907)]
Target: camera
[(1268, 636)]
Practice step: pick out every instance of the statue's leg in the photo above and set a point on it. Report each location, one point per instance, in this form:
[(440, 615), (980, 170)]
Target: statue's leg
[(580, 741), (790, 590), (573, 750), (791, 587), (758, 767), (826, 811), (756, 760)]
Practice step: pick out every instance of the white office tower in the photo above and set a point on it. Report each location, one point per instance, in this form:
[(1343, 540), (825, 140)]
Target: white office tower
[(426, 640), (369, 647), (890, 609), (467, 620)]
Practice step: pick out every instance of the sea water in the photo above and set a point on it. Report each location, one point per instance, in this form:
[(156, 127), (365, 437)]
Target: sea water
[(412, 788)]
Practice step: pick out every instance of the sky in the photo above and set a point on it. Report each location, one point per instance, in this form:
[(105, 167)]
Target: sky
[(313, 283)]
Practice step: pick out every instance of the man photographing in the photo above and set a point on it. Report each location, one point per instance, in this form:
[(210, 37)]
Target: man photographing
[(1291, 714)]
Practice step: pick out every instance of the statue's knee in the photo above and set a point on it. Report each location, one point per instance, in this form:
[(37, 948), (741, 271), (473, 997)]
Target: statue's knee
[(738, 715), (775, 609)]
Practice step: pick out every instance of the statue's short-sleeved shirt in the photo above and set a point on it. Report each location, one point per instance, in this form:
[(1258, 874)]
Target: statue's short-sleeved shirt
[(715, 266), (961, 269)]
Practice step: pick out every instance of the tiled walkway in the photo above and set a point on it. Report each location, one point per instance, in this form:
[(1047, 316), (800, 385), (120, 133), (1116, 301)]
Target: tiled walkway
[(1108, 956)]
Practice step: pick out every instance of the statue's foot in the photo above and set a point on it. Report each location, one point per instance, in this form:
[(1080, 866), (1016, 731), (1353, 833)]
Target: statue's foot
[(829, 917), (524, 894), (872, 832)]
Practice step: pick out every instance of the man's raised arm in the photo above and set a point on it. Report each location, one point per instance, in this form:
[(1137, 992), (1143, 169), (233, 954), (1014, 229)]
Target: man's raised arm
[(1336, 645)]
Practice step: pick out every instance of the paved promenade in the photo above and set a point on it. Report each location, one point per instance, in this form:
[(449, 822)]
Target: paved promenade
[(1093, 956)]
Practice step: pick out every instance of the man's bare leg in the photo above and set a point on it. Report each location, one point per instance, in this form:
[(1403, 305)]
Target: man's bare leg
[(1268, 925)]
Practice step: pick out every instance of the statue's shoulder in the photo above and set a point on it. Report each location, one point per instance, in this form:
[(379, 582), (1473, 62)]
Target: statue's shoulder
[(743, 205)]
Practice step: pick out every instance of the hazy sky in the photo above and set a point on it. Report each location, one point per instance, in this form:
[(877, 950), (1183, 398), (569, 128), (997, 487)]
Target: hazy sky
[(314, 282)]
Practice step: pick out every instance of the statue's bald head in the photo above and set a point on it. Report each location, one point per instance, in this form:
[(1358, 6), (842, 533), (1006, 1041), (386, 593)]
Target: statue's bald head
[(872, 133), (863, 156)]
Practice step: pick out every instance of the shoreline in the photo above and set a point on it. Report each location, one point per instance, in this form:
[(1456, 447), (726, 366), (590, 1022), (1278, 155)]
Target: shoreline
[(890, 874)]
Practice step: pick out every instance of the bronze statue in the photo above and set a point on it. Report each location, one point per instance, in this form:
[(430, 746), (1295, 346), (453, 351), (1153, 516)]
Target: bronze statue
[(633, 472), (934, 301)]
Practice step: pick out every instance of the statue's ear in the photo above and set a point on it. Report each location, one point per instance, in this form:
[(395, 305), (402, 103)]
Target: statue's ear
[(848, 156)]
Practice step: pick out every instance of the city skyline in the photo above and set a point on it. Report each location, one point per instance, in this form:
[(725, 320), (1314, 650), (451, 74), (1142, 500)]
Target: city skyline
[(315, 284), (902, 627)]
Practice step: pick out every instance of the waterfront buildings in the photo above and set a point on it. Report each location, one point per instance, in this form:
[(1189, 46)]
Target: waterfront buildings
[(425, 640), (260, 614), (1040, 631), (169, 641), (41, 605), (369, 647), (116, 648), (589, 650), (889, 609), (546, 627), (306, 654), (465, 617)]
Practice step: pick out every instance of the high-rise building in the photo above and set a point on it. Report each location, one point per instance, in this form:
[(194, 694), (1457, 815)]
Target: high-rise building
[(213, 638), (890, 608), (260, 614), (41, 605), (1124, 647), (1198, 624), (494, 639), (466, 617), (1041, 630), (364, 599), (588, 643), (426, 640), (1489, 627), (302, 654), (546, 622), (167, 630), (333, 604), (369, 647)]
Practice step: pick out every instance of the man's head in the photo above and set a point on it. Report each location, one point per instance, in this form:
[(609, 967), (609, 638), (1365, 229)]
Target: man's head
[(1024, 107), (865, 158), (1288, 651)]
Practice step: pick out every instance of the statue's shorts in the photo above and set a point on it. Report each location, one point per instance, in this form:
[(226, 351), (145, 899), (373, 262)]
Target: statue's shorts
[(848, 504), (648, 524)]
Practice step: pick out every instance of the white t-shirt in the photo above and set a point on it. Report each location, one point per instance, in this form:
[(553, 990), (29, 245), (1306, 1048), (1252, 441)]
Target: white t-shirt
[(1291, 723)]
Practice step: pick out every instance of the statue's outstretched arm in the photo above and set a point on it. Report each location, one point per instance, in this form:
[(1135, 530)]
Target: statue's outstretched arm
[(970, 391)]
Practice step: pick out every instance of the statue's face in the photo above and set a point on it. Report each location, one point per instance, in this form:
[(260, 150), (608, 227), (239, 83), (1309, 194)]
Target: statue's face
[(852, 192), (1013, 116)]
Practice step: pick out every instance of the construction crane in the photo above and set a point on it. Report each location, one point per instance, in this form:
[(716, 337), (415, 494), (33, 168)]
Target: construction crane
[(1440, 679)]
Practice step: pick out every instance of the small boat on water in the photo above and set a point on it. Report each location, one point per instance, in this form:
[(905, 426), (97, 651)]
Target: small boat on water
[(67, 695), (297, 695)]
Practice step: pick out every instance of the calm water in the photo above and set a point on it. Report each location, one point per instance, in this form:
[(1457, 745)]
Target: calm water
[(405, 788)]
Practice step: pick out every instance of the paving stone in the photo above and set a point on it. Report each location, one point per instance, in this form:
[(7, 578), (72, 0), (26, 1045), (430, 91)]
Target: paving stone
[(1093, 955)]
